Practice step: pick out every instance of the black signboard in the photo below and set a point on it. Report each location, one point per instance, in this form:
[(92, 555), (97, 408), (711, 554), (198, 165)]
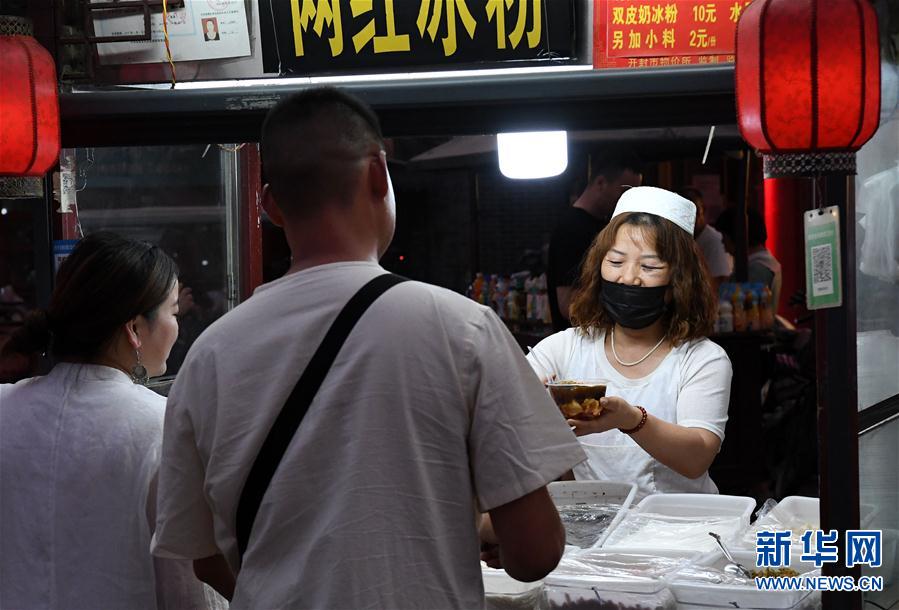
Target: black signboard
[(314, 36)]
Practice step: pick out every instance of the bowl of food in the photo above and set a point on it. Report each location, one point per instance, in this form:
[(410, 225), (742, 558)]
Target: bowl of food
[(578, 399)]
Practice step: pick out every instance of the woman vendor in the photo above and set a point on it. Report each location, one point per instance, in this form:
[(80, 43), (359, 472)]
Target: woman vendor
[(641, 314)]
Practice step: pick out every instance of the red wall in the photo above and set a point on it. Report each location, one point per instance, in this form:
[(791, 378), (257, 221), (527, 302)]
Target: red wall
[(785, 201)]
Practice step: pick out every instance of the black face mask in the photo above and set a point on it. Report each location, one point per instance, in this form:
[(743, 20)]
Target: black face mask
[(633, 306)]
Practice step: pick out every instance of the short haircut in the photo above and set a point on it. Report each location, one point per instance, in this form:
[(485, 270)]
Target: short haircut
[(309, 144), (610, 163)]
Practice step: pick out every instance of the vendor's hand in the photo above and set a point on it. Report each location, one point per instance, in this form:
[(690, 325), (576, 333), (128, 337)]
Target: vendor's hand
[(616, 413)]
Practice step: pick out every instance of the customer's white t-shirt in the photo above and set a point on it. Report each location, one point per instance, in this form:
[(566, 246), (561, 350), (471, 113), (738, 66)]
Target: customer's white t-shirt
[(429, 411), (78, 449), (690, 387)]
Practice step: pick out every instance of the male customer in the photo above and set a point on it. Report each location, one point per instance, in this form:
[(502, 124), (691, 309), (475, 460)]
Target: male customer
[(428, 414), (612, 173), (762, 267), (710, 242)]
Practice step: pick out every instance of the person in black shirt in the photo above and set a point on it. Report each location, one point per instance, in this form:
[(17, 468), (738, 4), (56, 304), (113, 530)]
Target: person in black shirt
[(611, 174)]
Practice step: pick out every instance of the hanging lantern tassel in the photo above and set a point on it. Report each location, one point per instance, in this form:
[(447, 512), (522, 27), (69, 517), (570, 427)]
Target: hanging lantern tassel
[(29, 107), (808, 83)]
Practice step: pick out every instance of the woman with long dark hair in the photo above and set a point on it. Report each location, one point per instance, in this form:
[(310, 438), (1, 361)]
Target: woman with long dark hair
[(79, 447)]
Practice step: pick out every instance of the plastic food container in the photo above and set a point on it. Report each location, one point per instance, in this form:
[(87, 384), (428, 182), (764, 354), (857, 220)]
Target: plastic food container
[(502, 592), (602, 580), (682, 522), (569, 495), (798, 514), (578, 399), (706, 584)]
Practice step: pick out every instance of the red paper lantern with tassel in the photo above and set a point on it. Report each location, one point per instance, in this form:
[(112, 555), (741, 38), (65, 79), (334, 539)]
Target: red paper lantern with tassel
[(808, 83), (29, 104)]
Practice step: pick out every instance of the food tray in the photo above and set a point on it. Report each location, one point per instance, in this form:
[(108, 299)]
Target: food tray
[(597, 579), (796, 513), (690, 585), (681, 522), (568, 493), (502, 592)]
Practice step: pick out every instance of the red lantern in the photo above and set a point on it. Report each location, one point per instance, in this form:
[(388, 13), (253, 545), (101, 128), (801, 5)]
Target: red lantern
[(808, 83), (29, 108)]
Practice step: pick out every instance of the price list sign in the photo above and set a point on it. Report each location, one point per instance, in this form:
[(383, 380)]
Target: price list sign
[(653, 33)]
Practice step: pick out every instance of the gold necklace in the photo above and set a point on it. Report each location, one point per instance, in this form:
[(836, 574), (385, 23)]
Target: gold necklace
[(648, 354)]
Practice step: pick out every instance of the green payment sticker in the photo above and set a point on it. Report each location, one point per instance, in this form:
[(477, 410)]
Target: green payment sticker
[(823, 284)]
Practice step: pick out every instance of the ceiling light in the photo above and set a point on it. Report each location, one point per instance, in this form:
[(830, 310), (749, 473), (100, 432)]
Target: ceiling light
[(534, 154)]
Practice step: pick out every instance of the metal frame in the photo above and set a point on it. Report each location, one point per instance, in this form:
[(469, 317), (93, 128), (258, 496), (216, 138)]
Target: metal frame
[(112, 6), (230, 172), (837, 370), (441, 106)]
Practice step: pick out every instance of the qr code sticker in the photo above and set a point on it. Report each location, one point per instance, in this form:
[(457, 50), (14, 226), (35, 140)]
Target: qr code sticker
[(822, 270)]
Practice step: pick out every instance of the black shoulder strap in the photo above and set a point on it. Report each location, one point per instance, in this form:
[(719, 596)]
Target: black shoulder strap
[(294, 409)]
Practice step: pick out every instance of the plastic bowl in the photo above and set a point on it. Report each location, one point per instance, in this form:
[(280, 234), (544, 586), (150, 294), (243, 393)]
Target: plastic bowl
[(578, 399)]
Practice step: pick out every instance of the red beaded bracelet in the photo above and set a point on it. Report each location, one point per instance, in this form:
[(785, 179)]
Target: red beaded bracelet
[(638, 426)]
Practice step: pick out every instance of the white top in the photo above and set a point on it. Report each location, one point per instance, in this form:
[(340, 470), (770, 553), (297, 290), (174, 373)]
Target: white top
[(711, 244), (690, 387), (78, 448), (429, 411)]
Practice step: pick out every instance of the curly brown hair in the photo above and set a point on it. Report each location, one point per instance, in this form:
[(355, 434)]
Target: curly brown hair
[(693, 304)]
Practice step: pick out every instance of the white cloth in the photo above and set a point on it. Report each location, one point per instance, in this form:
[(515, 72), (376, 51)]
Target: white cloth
[(879, 199), (78, 449), (711, 244), (429, 411), (690, 387)]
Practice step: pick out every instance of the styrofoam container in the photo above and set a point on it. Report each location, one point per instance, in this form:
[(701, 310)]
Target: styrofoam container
[(568, 493), (698, 505), (796, 513), (502, 592), (603, 579), (681, 522), (803, 511), (737, 595)]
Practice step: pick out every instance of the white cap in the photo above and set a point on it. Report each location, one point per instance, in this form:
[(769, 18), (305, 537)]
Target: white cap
[(652, 200)]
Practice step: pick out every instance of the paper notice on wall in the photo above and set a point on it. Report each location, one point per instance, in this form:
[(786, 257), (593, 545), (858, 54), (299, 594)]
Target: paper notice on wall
[(203, 29)]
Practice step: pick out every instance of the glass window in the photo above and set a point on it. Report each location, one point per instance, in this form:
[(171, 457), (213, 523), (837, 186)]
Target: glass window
[(18, 276), (879, 491), (877, 265), (183, 198)]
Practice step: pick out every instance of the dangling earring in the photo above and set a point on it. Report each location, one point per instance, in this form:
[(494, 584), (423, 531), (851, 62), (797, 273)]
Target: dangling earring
[(139, 372)]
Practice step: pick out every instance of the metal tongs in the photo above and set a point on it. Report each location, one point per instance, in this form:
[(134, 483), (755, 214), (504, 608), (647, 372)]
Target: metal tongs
[(733, 567)]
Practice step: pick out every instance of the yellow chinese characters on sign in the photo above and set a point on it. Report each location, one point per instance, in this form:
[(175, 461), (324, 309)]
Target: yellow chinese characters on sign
[(328, 19)]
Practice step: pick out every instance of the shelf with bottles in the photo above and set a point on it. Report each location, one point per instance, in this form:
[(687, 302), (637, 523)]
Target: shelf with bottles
[(520, 299), (744, 307)]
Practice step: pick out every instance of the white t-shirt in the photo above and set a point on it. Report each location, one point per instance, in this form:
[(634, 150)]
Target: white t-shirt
[(78, 448), (690, 387), (711, 244), (429, 411)]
